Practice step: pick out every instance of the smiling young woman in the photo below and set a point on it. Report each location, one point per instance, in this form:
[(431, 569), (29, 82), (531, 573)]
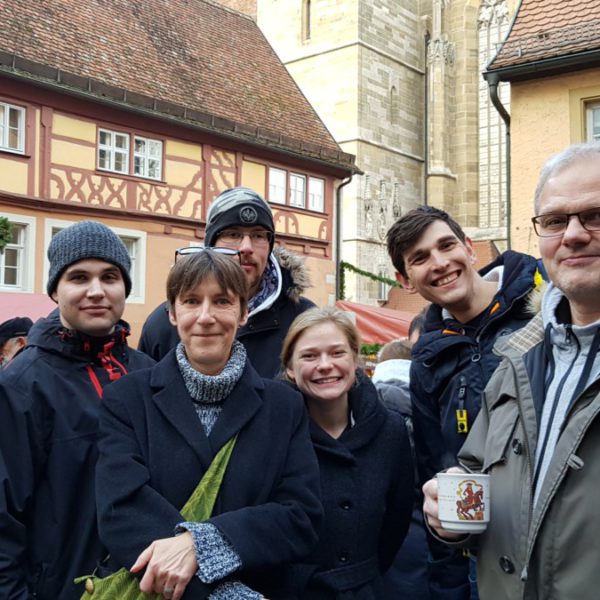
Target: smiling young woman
[(364, 460)]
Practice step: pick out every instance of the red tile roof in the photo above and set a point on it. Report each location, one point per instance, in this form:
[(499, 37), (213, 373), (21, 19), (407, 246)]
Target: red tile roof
[(546, 29), (196, 59)]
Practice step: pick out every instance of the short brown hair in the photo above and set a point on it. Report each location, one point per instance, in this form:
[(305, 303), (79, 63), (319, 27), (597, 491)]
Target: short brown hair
[(189, 271), (407, 230), (318, 316)]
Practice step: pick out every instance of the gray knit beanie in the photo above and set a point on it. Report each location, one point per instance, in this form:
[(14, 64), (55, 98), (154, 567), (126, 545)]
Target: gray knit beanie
[(84, 240), (237, 207)]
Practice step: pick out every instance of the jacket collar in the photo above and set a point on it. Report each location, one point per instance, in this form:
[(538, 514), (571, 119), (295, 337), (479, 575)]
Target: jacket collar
[(369, 416), (50, 334), (173, 401)]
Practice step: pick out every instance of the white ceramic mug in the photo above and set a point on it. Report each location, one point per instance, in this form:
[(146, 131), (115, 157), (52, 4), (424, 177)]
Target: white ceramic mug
[(464, 501)]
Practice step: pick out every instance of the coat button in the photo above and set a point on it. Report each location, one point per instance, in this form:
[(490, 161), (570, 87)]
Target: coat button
[(517, 446), (89, 586), (345, 505), (506, 564), (344, 557)]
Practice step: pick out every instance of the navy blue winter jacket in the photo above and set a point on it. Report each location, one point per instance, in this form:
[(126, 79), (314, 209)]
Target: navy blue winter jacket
[(451, 368), (49, 404)]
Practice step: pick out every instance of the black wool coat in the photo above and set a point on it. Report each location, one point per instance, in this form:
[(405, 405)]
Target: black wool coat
[(154, 451), (367, 491)]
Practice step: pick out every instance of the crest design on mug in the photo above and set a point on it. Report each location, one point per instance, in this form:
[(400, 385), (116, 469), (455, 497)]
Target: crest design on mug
[(470, 505), (248, 215)]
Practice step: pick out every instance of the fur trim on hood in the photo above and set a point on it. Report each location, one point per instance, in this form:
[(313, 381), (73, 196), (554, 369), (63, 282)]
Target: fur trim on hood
[(299, 280), (534, 300), (525, 338)]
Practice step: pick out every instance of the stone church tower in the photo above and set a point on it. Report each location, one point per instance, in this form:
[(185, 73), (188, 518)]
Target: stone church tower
[(398, 83)]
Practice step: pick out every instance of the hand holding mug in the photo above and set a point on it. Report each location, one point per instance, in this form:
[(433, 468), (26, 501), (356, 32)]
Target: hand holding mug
[(431, 506)]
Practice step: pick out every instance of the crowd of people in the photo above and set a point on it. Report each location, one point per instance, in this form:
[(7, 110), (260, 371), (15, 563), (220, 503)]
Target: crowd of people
[(241, 453)]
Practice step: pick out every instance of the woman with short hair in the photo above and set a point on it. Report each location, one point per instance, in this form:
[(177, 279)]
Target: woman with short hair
[(163, 427)]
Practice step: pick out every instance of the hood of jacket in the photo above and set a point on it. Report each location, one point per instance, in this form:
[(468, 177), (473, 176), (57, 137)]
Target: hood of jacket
[(394, 369), (295, 276)]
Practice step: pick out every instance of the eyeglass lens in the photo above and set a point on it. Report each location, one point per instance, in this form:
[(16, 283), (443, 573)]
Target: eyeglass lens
[(555, 224)]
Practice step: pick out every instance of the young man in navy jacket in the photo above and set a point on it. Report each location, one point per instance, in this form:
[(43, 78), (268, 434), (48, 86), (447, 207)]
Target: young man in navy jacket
[(50, 396), (453, 359)]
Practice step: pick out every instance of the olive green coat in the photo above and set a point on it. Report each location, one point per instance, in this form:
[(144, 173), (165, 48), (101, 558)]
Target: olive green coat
[(552, 551)]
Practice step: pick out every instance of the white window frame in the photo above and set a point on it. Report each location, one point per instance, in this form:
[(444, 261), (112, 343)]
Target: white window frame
[(138, 259), (25, 283), (277, 193), (297, 190), (591, 108), (147, 156), (112, 150), (5, 128), (297, 193), (316, 201)]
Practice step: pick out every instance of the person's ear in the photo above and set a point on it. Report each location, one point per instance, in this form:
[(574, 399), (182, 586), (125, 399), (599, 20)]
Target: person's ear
[(243, 318), (290, 374), (470, 250), (54, 296), (21, 342), (172, 316), (405, 283)]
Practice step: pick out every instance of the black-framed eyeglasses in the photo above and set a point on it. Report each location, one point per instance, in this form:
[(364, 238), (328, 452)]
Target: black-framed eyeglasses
[(554, 224), (234, 238), (188, 250)]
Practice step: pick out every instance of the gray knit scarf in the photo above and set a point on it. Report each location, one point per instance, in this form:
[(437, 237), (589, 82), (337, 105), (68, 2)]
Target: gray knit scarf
[(209, 391)]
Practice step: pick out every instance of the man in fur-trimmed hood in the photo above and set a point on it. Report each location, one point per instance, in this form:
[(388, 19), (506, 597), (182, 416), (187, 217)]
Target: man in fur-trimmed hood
[(241, 219)]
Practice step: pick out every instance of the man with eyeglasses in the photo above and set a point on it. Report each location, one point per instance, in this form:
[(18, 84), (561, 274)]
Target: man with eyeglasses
[(240, 220), (538, 432)]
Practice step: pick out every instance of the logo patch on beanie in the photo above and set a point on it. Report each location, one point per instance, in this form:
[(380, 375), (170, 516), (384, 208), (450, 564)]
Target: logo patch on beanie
[(248, 215)]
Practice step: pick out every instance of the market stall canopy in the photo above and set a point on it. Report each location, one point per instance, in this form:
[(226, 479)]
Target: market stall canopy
[(20, 304), (378, 325)]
